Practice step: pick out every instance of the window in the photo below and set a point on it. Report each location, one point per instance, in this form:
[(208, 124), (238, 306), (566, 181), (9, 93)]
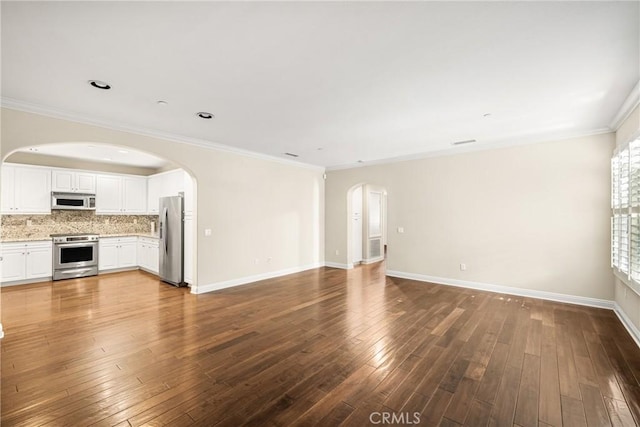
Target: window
[(625, 207)]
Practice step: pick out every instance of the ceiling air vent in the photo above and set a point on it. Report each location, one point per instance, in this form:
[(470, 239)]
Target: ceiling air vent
[(291, 155), (466, 141)]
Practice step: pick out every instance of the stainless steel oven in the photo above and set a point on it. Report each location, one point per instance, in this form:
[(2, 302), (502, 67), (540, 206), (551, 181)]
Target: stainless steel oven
[(74, 255)]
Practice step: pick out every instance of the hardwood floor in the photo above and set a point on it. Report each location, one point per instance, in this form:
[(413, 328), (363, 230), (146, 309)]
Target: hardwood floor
[(322, 347)]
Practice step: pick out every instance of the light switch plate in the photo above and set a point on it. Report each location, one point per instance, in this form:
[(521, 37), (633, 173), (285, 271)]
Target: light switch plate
[(207, 232)]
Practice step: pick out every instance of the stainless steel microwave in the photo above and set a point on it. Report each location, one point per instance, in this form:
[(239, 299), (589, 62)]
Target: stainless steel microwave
[(73, 201)]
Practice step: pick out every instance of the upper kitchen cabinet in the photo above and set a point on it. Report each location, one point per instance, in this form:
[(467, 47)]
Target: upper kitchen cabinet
[(26, 190), (68, 181), (167, 184), (118, 194)]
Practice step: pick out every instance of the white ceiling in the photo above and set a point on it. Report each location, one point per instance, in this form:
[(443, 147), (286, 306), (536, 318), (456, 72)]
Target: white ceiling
[(334, 82)]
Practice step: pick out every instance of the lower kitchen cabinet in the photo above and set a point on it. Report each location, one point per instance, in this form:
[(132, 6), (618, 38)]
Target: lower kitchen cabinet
[(26, 261), (148, 254), (117, 253)]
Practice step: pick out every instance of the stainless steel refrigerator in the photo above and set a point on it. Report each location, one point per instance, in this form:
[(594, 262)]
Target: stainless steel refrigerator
[(171, 234)]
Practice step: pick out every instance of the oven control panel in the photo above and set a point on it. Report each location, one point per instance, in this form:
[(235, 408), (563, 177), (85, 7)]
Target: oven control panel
[(73, 239)]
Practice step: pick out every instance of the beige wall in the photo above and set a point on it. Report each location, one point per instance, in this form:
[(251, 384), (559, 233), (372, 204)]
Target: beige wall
[(626, 298), (257, 209), (533, 216)]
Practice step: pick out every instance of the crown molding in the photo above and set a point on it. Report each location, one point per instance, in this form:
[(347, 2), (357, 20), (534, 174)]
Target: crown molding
[(27, 107), (627, 107), (471, 148)]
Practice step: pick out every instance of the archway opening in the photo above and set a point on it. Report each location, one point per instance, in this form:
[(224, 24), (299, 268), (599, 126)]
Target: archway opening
[(60, 166)]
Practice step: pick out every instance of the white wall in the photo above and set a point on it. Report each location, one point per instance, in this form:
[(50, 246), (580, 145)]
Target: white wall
[(626, 298), (256, 208), (531, 216)]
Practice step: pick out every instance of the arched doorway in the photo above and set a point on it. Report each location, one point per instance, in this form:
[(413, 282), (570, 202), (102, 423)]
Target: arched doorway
[(67, 161)]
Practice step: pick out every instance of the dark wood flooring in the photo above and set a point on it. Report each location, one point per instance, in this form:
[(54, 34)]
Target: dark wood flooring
[(323, 347)]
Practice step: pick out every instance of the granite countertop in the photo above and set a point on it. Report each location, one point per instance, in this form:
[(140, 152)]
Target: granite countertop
[(25, 239), (152, 236), (45, 238)]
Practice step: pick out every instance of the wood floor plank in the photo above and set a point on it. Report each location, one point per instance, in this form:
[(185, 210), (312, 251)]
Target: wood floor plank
[(619, 412), (572, 412), (549, 407), (324, 347), (528, 392), (594, 408), (461, 400)]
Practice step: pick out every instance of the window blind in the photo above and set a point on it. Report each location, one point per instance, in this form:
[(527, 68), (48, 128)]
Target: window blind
[(625, 206)]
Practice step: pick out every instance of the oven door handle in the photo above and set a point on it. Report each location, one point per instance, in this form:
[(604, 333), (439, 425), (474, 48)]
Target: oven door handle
[(76, 244)]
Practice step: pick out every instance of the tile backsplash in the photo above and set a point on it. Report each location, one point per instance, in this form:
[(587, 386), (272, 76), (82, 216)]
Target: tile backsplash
[(21, 226)]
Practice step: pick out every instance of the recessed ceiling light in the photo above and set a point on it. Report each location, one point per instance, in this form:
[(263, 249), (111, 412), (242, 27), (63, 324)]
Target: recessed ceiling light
[(291, 155), (99, 85), (320, 148), (205, 115), (486, 115), (466, 141), (162, 103), (123, 151), (360, 161)]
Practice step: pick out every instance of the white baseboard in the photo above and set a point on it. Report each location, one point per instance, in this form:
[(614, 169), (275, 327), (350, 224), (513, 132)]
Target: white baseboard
[(627, 323), (338, 265), (373, 260), (26, 281), (551, 296), (201, 289), (1, 331)]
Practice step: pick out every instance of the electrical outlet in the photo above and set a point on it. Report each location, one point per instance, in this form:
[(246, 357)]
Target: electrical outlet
[(400, 230), (337, 252), (463, 267), (207, 232), (256, 261), (29, 223)]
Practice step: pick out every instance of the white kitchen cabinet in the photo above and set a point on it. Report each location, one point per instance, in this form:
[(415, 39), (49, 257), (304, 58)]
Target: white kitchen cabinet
[(25, 261), (65, 180), (148, 255), (39, 261), (127, 254), (165, 184), (188, 249), (107, 254), (26, 190), (14, 265), (134, 195), (117, 253), (108, 194), (154, 183), (117, 194), (8, 190)]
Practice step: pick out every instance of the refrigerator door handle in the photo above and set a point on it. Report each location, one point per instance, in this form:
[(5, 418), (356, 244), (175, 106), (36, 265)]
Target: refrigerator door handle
[(165, 222)]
